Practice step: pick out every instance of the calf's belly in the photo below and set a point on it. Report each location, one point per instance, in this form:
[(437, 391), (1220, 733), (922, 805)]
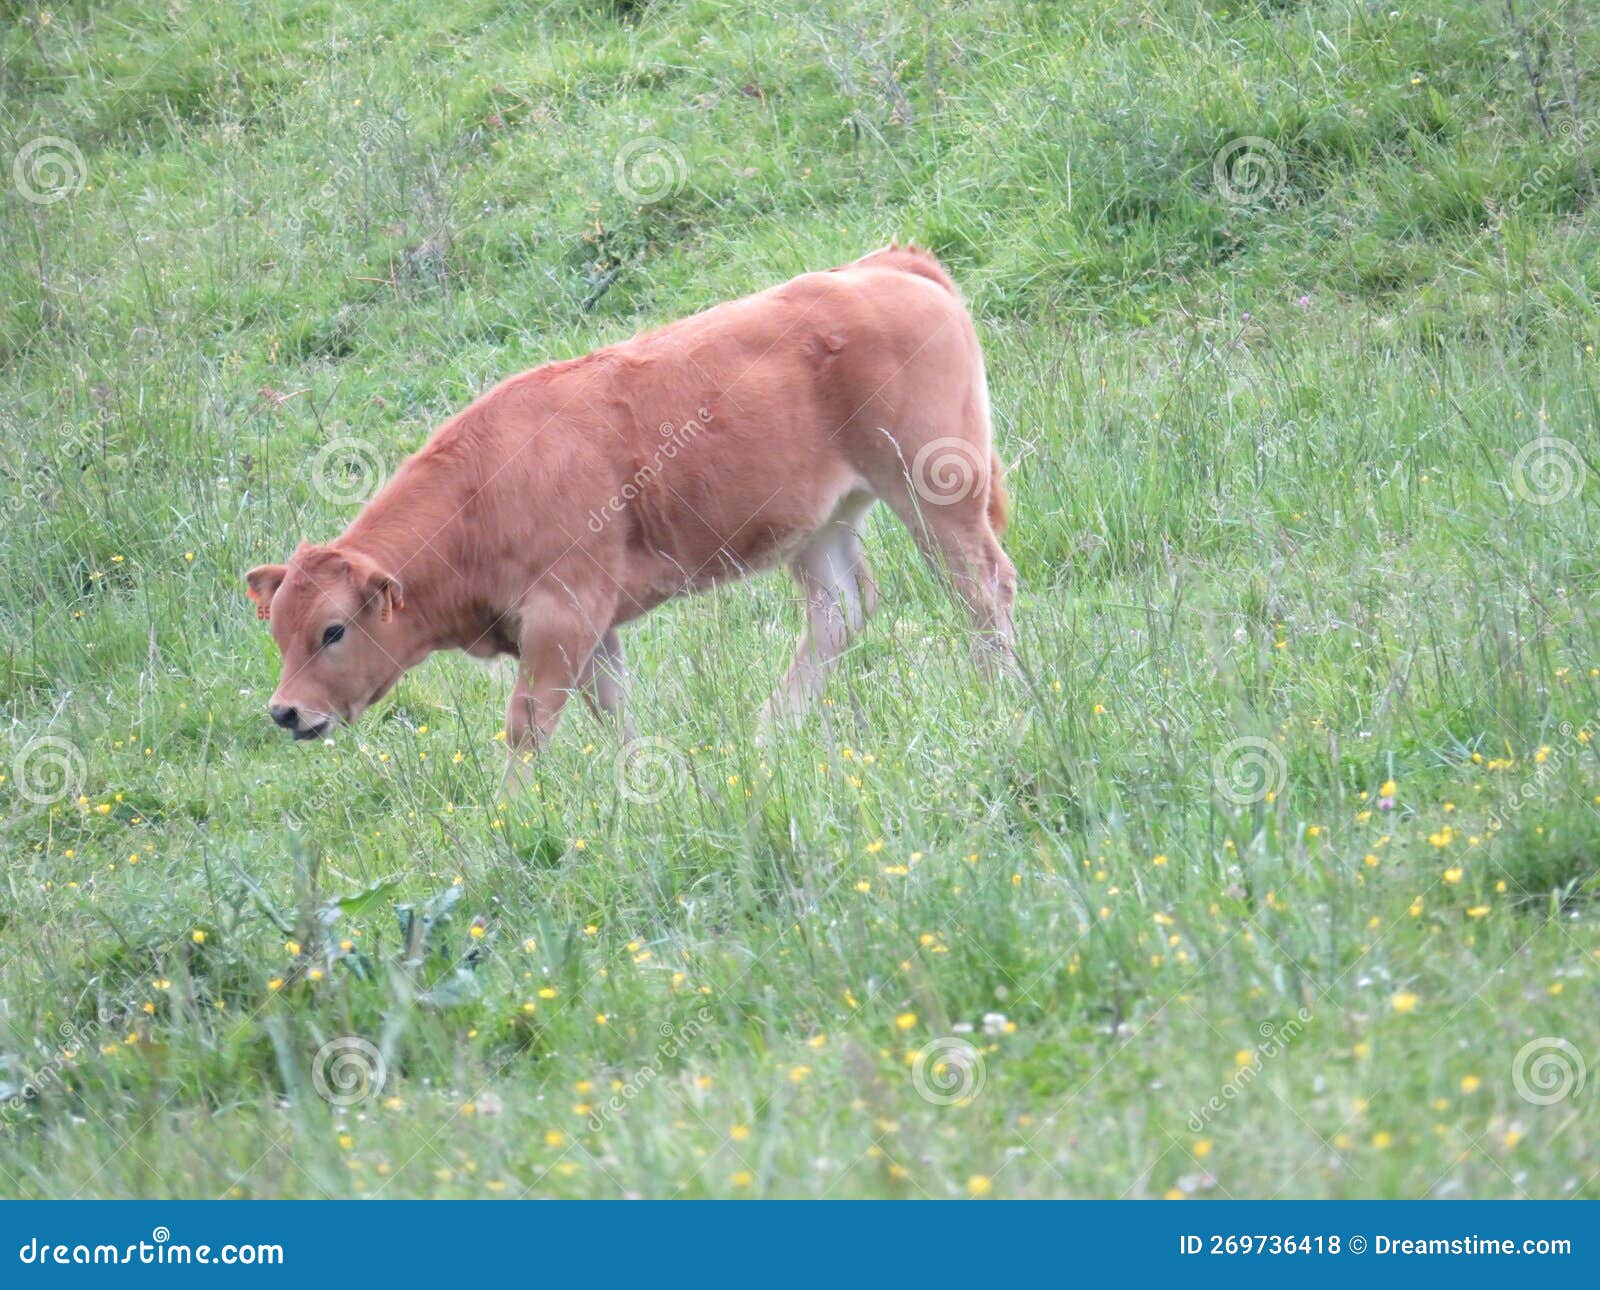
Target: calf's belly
[(701, 543)]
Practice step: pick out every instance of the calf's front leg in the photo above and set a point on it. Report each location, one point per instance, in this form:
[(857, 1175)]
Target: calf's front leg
[(554, 656)]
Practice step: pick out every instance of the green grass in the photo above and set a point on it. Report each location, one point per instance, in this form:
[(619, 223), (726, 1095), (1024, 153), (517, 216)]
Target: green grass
[(1310, 467)]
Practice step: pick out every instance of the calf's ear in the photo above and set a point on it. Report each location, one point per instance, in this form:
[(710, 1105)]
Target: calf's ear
[(387, 588), (378, 584), (262, 584)]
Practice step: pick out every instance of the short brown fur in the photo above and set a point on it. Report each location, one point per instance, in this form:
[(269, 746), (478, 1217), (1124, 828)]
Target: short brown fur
[(576, 497)]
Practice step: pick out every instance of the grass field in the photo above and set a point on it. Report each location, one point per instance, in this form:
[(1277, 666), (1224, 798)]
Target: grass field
[(1273, 875)]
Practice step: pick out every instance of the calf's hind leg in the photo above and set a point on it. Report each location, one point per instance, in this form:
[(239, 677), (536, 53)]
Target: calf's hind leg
[(836, 582), (604, 683), (956, 537)]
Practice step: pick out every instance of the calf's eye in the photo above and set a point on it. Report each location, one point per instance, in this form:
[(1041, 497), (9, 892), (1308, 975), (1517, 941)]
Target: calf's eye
[(333, 634)]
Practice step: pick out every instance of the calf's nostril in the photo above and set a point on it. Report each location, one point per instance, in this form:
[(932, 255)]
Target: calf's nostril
[(284, 716)]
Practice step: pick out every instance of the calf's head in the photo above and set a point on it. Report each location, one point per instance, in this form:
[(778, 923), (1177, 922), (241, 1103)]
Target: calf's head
[(333, 614)]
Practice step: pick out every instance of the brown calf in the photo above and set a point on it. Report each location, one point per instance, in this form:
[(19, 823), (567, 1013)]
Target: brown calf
[(576, 497)]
